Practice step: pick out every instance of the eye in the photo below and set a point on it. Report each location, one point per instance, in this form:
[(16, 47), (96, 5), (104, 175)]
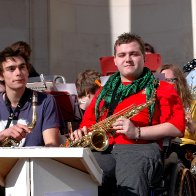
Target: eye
[(10, 68), (22, 66), (171, 79), (135, 54), (121, 55)]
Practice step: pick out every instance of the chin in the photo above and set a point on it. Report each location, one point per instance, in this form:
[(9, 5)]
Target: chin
[(22, 86)]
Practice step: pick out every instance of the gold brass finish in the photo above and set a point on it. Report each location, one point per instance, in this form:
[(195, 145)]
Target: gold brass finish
[(9, 141), (97, 137), (34, 114)]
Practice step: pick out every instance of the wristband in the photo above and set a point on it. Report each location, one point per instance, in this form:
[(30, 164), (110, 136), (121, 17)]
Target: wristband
[(138, 134)]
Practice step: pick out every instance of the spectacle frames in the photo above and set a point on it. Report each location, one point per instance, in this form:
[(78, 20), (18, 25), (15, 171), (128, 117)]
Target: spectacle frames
[(171, 79)]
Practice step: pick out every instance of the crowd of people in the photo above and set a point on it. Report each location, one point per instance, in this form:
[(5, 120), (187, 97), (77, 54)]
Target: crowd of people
[(132, 163)]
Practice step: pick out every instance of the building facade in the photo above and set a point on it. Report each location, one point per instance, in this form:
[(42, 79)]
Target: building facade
[(69, 36)]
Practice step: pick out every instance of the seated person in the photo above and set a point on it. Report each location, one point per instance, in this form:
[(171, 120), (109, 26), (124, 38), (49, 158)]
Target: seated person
[(175, 76), (26, 49), (87, 83), (2, 85), (190, 69), (132, 162), (149, 49), (17, 106)]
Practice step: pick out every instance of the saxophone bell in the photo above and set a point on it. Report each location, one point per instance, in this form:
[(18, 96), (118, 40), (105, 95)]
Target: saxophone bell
[(99, 140), (96, 139)]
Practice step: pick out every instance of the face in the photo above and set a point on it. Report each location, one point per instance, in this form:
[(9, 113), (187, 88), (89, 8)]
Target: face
[(129, 60), (169, 76), (15, 73), (85, 101)]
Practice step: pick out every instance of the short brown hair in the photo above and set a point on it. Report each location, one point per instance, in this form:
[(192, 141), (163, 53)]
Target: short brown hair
[(85, 82), (23, 46), (126, 38)]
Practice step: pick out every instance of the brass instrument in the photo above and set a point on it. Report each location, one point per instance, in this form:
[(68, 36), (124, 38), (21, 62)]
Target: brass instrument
[(97, 137), (9, 141), (34, 114)]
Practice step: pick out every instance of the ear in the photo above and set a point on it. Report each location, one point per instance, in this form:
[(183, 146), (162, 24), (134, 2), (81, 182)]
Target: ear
[(115, 60), (88, 95), (1, 77)]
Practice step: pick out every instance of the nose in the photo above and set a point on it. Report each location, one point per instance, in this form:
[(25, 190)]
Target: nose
[(128, 58), (18, 71)]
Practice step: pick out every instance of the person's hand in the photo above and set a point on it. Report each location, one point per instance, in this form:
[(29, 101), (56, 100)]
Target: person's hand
[(17, 132), (78, 134), (125, 126)]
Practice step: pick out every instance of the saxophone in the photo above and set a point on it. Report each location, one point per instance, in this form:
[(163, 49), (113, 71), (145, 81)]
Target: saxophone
[(9, 141), (97, 137)]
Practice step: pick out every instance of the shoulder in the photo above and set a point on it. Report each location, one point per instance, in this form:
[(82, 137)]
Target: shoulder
[(44, 95), (167, 94), (45, 98), (191, 77), (1, 97), (166, 89), (191, 74)]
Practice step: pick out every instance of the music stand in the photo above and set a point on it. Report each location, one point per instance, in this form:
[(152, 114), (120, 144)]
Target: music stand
[(69, 110)]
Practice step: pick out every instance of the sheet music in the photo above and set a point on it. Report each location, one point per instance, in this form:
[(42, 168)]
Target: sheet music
[(68, 87), (104, 79)]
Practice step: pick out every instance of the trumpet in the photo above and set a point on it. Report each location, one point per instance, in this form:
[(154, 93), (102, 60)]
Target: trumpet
[(9, 141), (98, 134)]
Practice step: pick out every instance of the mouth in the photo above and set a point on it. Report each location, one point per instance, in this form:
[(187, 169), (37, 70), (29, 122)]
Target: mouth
[(129, 65), (19, 80)]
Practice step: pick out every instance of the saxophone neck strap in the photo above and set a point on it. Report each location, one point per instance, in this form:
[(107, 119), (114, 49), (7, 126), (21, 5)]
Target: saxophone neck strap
[(13, 114)]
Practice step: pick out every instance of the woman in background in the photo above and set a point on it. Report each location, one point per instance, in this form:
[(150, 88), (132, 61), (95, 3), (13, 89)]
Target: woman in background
[(175, 76)]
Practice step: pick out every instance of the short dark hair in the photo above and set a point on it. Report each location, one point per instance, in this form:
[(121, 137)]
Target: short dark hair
[(149, 48), (126, 38), (23, 46), (8, 52)]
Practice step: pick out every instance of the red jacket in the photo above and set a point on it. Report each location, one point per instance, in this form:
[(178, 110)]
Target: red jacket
[(168, 108)]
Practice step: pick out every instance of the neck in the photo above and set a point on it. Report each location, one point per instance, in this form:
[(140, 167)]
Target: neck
[(129, 78), (124, 79), (14, 96)]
